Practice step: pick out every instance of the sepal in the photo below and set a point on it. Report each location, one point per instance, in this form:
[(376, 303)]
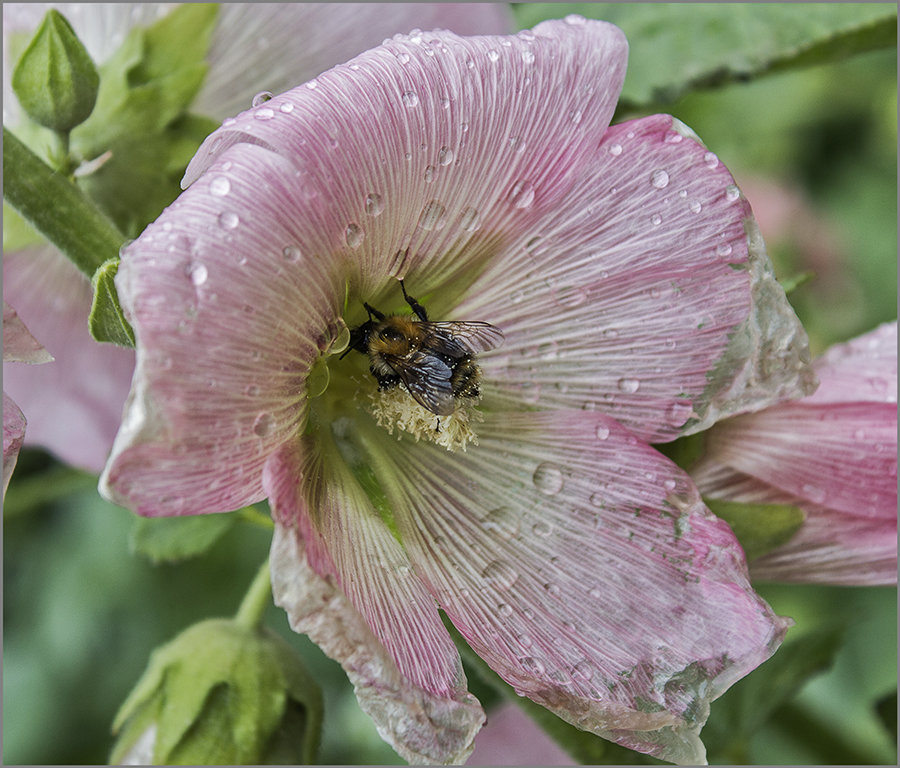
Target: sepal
[(220, 693), (107, 320)]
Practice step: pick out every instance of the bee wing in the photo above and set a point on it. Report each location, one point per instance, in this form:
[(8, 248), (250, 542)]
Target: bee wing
[(467, 337), (427, 378)]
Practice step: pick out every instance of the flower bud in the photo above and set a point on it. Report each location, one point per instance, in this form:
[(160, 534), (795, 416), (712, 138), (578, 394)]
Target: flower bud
[(55, 80), (219, 694)]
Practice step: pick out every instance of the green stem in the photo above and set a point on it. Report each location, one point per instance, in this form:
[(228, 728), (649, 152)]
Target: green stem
[(257, 600), (52, 204)]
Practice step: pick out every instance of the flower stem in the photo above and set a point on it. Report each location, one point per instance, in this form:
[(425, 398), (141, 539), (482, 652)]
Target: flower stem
[(55, 207), (257, 600)]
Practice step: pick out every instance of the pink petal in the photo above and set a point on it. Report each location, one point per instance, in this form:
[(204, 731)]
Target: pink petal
[(646, 294), (510, 737), (581, 565), (861, 370), (831, 547), (345, 581), (276, 46), (231, 305), (18, 344), (422, 141), (13, 435), (843, 456), (74, 406)]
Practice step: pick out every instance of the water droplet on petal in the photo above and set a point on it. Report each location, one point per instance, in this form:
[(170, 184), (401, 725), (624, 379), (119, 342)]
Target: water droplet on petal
[(542, 529), (374, 204), (287, 107), (197, 272), (445, 156), (711, 160), (695, 206), (532, 665), (470, 220), (410, 98), (814, 493), (629, 386), (503, 521), (548, 478), (575, 20), (493, 55), (429, 173), (615, 149), (261, 98), (228, 220), (602, 432), (500, 574), (504, 610), (522, 194), (266, 113), (262, 424), (732, 193), (678, 413), (552, 589), (219, 186), (656, 219), (433, 216), (659, 179), (723, 249), (291, 253), (527, 56), (354, 235), (403, 57)]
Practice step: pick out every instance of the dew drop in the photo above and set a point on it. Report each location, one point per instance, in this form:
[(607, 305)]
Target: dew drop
[(219, 186), (615, 150), (354, 235), (470, 220), (628, 386), (286, 107), (548, 478), (493, 55), (656, 219), (532, 665), (429, 174), (410, 98), (723, 249), (374, 204), (502, 521), (261, 98), (522, 194), (266, 113), (504, 610), (528, 56), (597, 500), (525, 641), (552, 589), (197, 272), (445, 156), (251, 389), (711, 160), (732, 193), (695, 206), (263, 424), (814, 493), (602, 432), (542, 529), (500, 575), (403, 57), (291, 253), (433, 216), (659, 179), (575, 20), (595, 593), (678, 413), (228, 220)]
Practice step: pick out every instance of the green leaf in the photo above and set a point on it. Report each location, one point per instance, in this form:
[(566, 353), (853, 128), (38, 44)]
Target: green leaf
[(171, 539), (750, 702), (760, 528), (55, 80), (107, 321), (886, 709), (55, 207), (678, 47)]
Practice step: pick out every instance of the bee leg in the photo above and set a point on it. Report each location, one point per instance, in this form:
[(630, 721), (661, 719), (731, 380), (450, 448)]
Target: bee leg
[(414, 305), (373, 312), (437, 425)]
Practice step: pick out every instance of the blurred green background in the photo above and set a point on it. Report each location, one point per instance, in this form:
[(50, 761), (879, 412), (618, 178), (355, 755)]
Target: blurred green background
[(814, 149)]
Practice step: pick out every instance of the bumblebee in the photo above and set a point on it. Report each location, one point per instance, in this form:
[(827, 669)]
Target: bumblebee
[(435, 361)]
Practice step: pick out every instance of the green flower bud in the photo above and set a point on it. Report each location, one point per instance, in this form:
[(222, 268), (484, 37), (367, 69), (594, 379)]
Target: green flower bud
[(55, 80), (219, 694)]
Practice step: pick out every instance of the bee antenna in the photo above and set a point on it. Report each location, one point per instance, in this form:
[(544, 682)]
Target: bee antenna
[(414, 305)]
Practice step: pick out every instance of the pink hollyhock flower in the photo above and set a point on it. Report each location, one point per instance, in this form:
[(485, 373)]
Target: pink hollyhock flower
[(75, 405), (510, 737), (624, 269), (834, 455), (21, 347)]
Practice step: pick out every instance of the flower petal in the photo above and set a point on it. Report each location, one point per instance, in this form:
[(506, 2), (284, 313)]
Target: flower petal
[(581, 565), (861, 370), (842, 455), (646, 294), (510, 737), (831, 547), (74, 406), (13, 436), (310, 37), (346, 582), (18, 344), (472, 134), (230, 311)]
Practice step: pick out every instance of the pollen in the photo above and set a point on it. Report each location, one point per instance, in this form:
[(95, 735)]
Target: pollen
[(395, 409)]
